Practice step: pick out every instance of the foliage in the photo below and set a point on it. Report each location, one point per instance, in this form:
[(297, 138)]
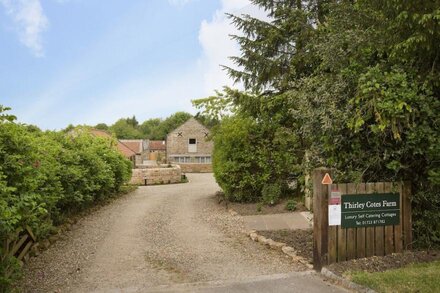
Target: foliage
[(426, 217), (45, 176), (253, 147), (291, 205), (271, 193), (387, 97), (101, 126), (355, 85), (4, 116), (153, 129), (124, 129), (172, 122), (9, 271), (235, 169)]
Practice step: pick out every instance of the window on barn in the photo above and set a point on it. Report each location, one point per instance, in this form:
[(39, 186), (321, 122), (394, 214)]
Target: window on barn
[(203, 160), (182, 159)]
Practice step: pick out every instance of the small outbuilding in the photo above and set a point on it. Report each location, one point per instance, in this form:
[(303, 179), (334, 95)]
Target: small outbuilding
[(156, 150), (139, 147)]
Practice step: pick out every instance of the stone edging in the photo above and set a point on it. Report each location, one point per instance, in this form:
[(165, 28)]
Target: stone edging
[(344, 282), (288, 250), (283, 247)]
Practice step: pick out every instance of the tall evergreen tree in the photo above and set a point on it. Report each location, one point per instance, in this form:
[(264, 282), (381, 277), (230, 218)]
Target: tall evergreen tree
[(275, 52)]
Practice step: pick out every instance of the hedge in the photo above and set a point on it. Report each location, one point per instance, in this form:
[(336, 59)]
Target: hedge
[(47, 176)]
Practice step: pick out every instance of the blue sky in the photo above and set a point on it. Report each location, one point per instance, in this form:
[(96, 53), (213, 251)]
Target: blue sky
[(90, 61)]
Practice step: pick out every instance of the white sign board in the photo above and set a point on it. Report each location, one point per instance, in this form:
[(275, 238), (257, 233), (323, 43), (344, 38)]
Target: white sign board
[(334, 215)]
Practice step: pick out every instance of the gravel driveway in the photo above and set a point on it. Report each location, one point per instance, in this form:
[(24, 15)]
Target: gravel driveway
[(156, 236)]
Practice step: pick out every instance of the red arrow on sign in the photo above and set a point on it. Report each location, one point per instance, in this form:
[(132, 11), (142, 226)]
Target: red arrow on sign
[(327, 179)]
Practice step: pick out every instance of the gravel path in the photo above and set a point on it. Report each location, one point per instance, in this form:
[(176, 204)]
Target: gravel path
[(156, 236)]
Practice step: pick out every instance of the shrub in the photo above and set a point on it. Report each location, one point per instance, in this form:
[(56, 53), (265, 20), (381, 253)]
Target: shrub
[(9, 271), (46, 176), (271, 193), (235, 168), (426, 218), (291, 205)]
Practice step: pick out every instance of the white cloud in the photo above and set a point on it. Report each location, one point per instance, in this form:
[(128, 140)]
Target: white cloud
[(214, 37), (30, 21)]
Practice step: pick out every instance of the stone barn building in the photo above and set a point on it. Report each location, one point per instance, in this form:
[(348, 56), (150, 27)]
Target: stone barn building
[(189, 147)]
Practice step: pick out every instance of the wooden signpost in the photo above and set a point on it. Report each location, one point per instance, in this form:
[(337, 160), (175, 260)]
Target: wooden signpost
[(358, 220)]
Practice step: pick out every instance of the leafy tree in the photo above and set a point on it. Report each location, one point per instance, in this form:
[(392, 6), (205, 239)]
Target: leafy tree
[(4, 116), (155, 129), (206, 120), (389, 98), (125, 130), (102, 126), (254, 148), (173, 121), (69, 128), (149, 128), (133, 122)]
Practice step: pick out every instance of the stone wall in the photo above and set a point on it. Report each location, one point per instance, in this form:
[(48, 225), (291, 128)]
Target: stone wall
[(196, 168), (158, 175), (139, 159)]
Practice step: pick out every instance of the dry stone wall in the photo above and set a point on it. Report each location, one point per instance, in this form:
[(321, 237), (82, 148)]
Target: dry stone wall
[(159, 175), (196, 168)]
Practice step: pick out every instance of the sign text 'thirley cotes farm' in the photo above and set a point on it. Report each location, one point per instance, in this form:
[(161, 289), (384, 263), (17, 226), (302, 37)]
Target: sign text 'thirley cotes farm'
[(363, 210)]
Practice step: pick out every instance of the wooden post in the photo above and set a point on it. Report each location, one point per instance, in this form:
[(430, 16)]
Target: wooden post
[(398, 238), (360, 232), (407, 222), (389, 230), (379, 230), (332, 238), (351, 232), (320, 219), (369, 231), (342, 232)]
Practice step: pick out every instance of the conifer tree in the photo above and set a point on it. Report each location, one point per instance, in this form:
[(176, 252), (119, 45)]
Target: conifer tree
[(275, 52)]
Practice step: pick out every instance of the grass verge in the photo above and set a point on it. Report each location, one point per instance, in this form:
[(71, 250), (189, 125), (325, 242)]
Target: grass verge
[(422, 277)]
